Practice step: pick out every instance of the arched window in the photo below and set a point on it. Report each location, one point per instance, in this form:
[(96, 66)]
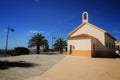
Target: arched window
[(85, 16), (106, 44), (109, 45)]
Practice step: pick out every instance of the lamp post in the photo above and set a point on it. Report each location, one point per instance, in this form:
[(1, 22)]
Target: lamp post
[(8, 29), (52, 41)]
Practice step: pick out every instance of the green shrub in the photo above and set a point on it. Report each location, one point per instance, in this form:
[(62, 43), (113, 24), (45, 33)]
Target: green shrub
[(21, 50)]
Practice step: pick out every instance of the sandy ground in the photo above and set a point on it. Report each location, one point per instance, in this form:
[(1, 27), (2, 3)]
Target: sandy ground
[(77, 68), (26, 66)]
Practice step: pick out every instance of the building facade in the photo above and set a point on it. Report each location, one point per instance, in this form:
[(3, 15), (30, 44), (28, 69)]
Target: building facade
[(117, 45), (88, 40)]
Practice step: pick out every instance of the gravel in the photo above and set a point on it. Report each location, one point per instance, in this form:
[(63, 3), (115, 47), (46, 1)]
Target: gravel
[(25, 66)]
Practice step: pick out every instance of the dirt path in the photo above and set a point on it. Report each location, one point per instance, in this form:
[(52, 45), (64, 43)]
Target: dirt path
[(77, 68), (23, 67)]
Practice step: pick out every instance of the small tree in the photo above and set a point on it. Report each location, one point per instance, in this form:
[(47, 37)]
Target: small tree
[(21, 51), (60, 44)]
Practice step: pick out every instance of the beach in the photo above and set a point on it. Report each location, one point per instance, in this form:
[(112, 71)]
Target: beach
[(25, 66)]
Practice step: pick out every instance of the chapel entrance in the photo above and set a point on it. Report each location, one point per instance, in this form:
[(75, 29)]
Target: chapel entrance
[(70, 49)]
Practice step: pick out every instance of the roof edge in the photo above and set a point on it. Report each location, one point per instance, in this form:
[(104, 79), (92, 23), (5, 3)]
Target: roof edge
[(76, 29), (110, 36), (98, 28)]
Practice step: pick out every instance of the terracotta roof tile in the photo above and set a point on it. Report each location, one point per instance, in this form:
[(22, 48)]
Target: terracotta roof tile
[(81, 36)]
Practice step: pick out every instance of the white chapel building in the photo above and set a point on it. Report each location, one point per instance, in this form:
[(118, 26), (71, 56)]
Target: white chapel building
[(88, 40)]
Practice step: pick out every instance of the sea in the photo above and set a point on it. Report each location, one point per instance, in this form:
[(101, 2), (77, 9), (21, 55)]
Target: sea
[(2, 54)]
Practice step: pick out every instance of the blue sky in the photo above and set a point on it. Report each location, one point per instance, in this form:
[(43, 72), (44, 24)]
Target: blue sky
[(54, 18)]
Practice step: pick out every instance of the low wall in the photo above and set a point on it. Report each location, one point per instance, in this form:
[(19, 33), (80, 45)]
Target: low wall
[(82, 53), (90, 53)]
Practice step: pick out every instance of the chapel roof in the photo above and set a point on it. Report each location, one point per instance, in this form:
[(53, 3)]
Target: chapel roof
[(81, 36), (84, 22)]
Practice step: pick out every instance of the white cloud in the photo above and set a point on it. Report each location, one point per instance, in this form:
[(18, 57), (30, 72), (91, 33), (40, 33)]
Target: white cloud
[(35, 31), (47, 33)]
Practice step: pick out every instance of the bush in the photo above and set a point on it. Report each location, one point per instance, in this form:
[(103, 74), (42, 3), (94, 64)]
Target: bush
[(21, 51)]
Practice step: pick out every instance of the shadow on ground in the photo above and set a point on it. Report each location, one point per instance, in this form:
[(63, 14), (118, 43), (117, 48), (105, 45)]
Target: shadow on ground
[(6, 64)]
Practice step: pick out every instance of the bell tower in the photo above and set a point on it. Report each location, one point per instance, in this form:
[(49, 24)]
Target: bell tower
[(84, 17)]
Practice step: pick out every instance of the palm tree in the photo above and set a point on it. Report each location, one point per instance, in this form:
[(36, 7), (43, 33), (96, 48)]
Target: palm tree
[(46, 46), (37, 40), (60, 44)]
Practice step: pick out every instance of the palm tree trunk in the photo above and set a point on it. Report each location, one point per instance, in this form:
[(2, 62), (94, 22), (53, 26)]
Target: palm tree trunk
[(61, 50), (38, 49)]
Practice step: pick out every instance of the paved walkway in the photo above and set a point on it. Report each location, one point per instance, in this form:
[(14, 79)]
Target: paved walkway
[(77, 68)]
